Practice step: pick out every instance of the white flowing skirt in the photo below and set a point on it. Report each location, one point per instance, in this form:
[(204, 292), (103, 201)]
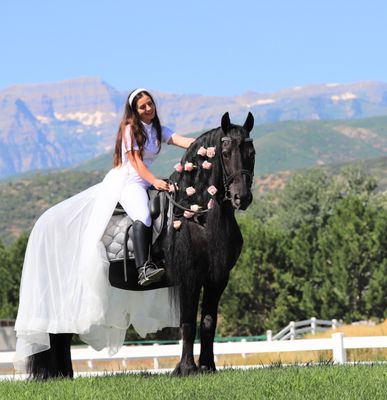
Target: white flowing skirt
[(65, 286)]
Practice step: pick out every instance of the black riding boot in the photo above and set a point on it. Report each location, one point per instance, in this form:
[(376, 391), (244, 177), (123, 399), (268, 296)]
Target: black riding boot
[(148, 272)]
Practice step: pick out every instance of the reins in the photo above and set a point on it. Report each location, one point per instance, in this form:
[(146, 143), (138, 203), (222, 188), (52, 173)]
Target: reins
[(176, 204)]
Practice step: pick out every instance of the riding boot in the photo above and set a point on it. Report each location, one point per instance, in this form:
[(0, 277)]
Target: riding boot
[(148, 272)]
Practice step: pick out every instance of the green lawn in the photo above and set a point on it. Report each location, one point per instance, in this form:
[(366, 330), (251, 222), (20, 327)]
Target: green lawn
[(323, 382)]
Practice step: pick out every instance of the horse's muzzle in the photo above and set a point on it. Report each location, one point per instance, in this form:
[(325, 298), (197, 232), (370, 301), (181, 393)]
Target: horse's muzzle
[(241, 202)]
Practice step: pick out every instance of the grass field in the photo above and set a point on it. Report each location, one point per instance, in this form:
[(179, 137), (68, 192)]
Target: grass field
[(322, 382)]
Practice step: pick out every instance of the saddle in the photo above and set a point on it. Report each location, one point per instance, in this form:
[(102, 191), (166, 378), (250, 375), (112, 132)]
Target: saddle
[(118, 243)]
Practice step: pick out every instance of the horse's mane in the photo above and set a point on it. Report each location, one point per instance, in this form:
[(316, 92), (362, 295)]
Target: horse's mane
[(199, 178)]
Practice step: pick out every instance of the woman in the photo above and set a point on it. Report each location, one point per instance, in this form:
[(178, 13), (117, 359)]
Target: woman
[(138, 142), (65, 286)]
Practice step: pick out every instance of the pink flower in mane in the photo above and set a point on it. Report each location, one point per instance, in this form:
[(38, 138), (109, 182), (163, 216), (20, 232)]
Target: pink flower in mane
[(211, 152), (188, 214), (178, 167), (195, 208), (177, 224), (190, 191), (202, 151), (212, 190), (188, 166), (211, 204), (206, 165)]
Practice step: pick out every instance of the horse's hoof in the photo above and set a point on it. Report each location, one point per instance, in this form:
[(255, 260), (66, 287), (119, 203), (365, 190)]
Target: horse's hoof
[(206, 369), (187, 370)]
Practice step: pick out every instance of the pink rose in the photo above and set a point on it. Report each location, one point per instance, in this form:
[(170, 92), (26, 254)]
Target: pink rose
[(173, 187), (178, 167), (188, 166), (211, 204), (195, 208), (202, 151), (207, 165), (190, 191), (212, 190), (177, 224), (211, 152), (188, 214)]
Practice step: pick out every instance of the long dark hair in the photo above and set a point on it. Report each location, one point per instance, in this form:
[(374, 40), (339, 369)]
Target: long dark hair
[(137, 134)]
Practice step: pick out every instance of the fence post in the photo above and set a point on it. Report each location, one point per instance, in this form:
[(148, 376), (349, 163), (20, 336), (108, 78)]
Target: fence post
[(89, 361), (269, 335), (292, 330), (334, 324), (313, 325), (243, 354), (156, 364), (339, 352)]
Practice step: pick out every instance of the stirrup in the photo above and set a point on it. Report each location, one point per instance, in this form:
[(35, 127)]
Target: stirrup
[(149, 273)]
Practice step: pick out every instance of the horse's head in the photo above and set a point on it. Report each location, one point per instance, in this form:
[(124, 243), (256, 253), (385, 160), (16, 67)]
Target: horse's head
[(238, 159)]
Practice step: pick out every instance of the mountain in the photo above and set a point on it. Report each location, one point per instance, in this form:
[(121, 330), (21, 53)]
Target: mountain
[(55, 125)]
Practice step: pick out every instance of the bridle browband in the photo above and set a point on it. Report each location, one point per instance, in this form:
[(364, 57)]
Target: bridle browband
[(227, 179)]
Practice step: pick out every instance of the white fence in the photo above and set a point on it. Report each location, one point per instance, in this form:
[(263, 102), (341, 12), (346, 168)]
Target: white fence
[(338, 344), (294, 329)]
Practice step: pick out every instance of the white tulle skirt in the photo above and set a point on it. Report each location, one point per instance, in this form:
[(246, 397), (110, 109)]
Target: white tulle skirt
[(65, 286)]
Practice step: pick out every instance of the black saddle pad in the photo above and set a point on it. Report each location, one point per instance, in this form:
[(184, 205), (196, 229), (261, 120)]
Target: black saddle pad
[(117, 277)]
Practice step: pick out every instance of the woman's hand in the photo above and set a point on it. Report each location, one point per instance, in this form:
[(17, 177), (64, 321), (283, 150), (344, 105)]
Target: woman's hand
[(160, 184)]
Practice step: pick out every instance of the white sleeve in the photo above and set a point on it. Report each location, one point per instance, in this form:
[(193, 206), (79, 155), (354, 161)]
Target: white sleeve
[(166, 134), (127, 141)]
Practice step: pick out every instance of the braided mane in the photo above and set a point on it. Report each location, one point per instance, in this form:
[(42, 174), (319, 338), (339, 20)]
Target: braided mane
[(200, 178)]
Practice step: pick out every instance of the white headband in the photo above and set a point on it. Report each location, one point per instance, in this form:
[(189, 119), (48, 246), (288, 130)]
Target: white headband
[(134, 94)]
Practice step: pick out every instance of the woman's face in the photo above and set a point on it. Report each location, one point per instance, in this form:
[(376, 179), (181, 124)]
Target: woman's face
[(146, 109)]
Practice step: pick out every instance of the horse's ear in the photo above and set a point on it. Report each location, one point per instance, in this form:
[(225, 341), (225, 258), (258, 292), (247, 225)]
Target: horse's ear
[(225, 122), (249, 122)]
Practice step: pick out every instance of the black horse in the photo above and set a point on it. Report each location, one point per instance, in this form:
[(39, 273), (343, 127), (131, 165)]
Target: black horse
[(200, 246)]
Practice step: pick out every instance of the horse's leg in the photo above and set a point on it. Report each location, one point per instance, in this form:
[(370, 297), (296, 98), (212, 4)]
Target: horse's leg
[(189, 300), (211, 296), (61, 344)]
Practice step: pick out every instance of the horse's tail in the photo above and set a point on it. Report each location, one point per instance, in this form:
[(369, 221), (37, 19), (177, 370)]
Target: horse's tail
[(41, 366), (54, 362)]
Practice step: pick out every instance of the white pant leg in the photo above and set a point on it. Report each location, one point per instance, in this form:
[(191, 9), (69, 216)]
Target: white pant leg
[(134, 199)]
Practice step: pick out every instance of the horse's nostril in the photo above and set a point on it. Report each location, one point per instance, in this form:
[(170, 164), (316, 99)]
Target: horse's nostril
[(237, 199)]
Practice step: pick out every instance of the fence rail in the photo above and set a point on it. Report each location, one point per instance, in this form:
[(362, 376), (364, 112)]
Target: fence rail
[(294, 329), (338, 344)]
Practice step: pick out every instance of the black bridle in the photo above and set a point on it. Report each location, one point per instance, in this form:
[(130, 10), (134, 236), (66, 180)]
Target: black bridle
[(228, 178)]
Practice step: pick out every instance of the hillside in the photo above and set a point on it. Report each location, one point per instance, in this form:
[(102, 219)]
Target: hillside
[(282, 149), (292, 145), (22, 201), (25, 199)]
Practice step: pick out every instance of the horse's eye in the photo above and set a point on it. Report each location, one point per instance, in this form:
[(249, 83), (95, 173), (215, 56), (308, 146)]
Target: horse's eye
[(226, 153)]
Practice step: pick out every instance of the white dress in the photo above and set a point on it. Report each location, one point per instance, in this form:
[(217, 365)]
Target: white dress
[(65, 286)]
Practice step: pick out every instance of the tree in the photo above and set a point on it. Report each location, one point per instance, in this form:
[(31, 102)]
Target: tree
[(350, 260)]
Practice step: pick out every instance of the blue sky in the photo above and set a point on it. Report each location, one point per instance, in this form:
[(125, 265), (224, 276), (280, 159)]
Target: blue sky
[(223, 47)]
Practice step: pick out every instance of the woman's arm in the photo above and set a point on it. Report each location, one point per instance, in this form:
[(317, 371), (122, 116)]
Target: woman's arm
[(181, 141), (143, 171)]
